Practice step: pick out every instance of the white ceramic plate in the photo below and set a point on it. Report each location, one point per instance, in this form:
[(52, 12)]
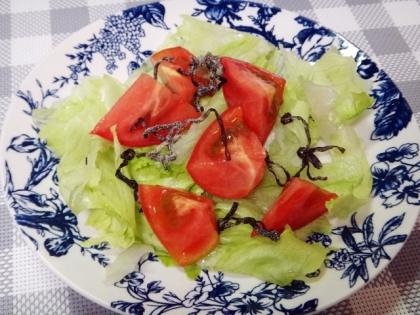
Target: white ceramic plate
[(367, 241)]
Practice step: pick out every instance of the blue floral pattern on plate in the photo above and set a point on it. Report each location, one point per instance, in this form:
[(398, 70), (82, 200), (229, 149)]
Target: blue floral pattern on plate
[(395, 179), (118, 40), (212, 294), (354, 258)]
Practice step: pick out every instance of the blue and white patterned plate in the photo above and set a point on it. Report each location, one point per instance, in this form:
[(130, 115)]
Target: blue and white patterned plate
[(120, 43)]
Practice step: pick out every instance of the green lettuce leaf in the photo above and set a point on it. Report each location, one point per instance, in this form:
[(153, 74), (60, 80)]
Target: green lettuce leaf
[(200, 37), (148, 172), (276, 262), (88, 163), (328, 95), (125, 262)]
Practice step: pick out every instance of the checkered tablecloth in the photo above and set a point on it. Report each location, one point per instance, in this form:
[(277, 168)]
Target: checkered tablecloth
[(388, 30)]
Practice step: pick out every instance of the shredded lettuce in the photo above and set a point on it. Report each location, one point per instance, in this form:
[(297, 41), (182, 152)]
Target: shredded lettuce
[(328, 95)]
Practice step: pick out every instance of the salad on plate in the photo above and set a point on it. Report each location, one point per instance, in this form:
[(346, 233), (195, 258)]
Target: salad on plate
[(221, 152)]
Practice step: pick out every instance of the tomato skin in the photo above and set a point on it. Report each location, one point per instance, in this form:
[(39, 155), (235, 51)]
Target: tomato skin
[(185, 223), (180, 55), (210, 169), (299, 203), (257, 91), (148, 99), (167, 71)]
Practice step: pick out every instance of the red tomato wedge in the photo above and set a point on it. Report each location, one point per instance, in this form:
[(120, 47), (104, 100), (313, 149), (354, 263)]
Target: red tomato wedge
[(210, 169), (299, 203), (168, 71), (257, 91), (147, 99), (185, 223)]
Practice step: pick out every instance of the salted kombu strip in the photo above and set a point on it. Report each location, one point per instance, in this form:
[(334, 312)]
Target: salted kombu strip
[(215, 75), (307, 154), (229, 221), (270, 167), (216, 79)]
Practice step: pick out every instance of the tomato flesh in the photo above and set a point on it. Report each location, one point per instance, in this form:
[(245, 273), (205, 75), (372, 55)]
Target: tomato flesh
[(299, 203), (147, 99), (185, 223), (168, 71), (257, 91), (211, 170)]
